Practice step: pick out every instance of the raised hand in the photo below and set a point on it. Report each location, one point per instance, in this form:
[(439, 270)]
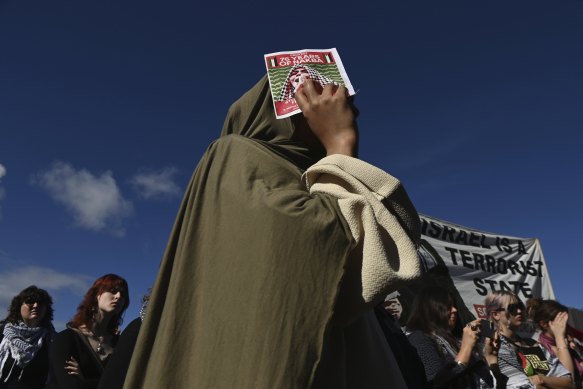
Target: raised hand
[(558, 326), (330, 116), (469, 339), (470, 334), (491, 347)]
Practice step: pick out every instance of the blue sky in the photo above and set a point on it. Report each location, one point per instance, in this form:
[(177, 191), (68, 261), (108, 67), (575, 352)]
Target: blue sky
[(106, 107)]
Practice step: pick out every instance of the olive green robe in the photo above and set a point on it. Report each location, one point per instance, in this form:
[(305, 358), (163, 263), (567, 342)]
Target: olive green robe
[(249, 282)]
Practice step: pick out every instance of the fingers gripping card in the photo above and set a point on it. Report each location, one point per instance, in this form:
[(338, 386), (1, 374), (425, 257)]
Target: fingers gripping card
[(287, 71)]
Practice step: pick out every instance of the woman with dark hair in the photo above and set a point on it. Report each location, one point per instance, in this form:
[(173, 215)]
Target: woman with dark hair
[(523, 363), (551, 317), (80, 352), (448, 362), (25, 336)]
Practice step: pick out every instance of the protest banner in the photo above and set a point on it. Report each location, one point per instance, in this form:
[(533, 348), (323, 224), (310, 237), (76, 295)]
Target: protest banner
[(479, 262)]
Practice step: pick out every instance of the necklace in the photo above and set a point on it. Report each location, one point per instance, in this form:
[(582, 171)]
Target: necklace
[(100, 344), (96, 339)]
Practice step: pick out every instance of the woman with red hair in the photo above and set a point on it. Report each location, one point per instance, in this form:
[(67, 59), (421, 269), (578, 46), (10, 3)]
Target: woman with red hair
[(80, 352)]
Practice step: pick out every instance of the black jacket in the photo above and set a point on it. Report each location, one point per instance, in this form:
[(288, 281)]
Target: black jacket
[(68, 343), (115, 372), (34, 375)]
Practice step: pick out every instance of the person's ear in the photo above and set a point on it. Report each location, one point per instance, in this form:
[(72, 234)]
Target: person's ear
[(495, 316)]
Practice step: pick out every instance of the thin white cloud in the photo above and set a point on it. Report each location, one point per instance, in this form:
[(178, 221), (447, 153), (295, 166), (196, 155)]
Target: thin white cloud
[(14, 280), (156, 184), (95, 202), (2, 190)]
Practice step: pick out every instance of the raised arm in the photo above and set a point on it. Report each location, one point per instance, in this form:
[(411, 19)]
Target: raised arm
[(559, 328), (331, 117)]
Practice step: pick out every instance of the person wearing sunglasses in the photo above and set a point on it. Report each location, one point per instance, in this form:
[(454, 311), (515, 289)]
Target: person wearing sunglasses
[(25, 336), (523, 363)]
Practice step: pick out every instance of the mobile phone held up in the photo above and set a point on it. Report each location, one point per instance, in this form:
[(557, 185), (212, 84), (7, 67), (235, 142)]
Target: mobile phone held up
[(486, 329)]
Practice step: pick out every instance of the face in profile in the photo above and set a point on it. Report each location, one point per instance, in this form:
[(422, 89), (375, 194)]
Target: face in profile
[(514, 313), (111, 300), (297, 77), (452, 317)]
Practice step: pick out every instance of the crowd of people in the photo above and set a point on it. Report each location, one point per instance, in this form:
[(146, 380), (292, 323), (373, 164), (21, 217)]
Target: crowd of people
[(34, 355), (433, 349), (492, 352), (277, 275)]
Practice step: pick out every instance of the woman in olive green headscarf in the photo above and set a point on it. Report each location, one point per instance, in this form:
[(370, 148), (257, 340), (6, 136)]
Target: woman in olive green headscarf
[(269, 280)]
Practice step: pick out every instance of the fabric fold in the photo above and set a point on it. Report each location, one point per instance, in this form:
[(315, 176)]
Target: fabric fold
[(389, 234), (257, 266)]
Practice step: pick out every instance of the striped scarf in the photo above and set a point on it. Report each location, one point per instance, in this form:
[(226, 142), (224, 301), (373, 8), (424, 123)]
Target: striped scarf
[(21, 342)]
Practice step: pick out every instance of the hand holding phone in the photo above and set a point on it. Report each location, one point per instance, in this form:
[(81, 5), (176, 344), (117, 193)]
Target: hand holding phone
[(486, 329)]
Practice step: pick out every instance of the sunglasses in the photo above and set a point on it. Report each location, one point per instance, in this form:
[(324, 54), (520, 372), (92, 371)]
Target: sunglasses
[(514, 308), (30, 303)]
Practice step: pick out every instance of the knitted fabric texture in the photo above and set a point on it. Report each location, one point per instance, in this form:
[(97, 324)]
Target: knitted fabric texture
[(389, 233)]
